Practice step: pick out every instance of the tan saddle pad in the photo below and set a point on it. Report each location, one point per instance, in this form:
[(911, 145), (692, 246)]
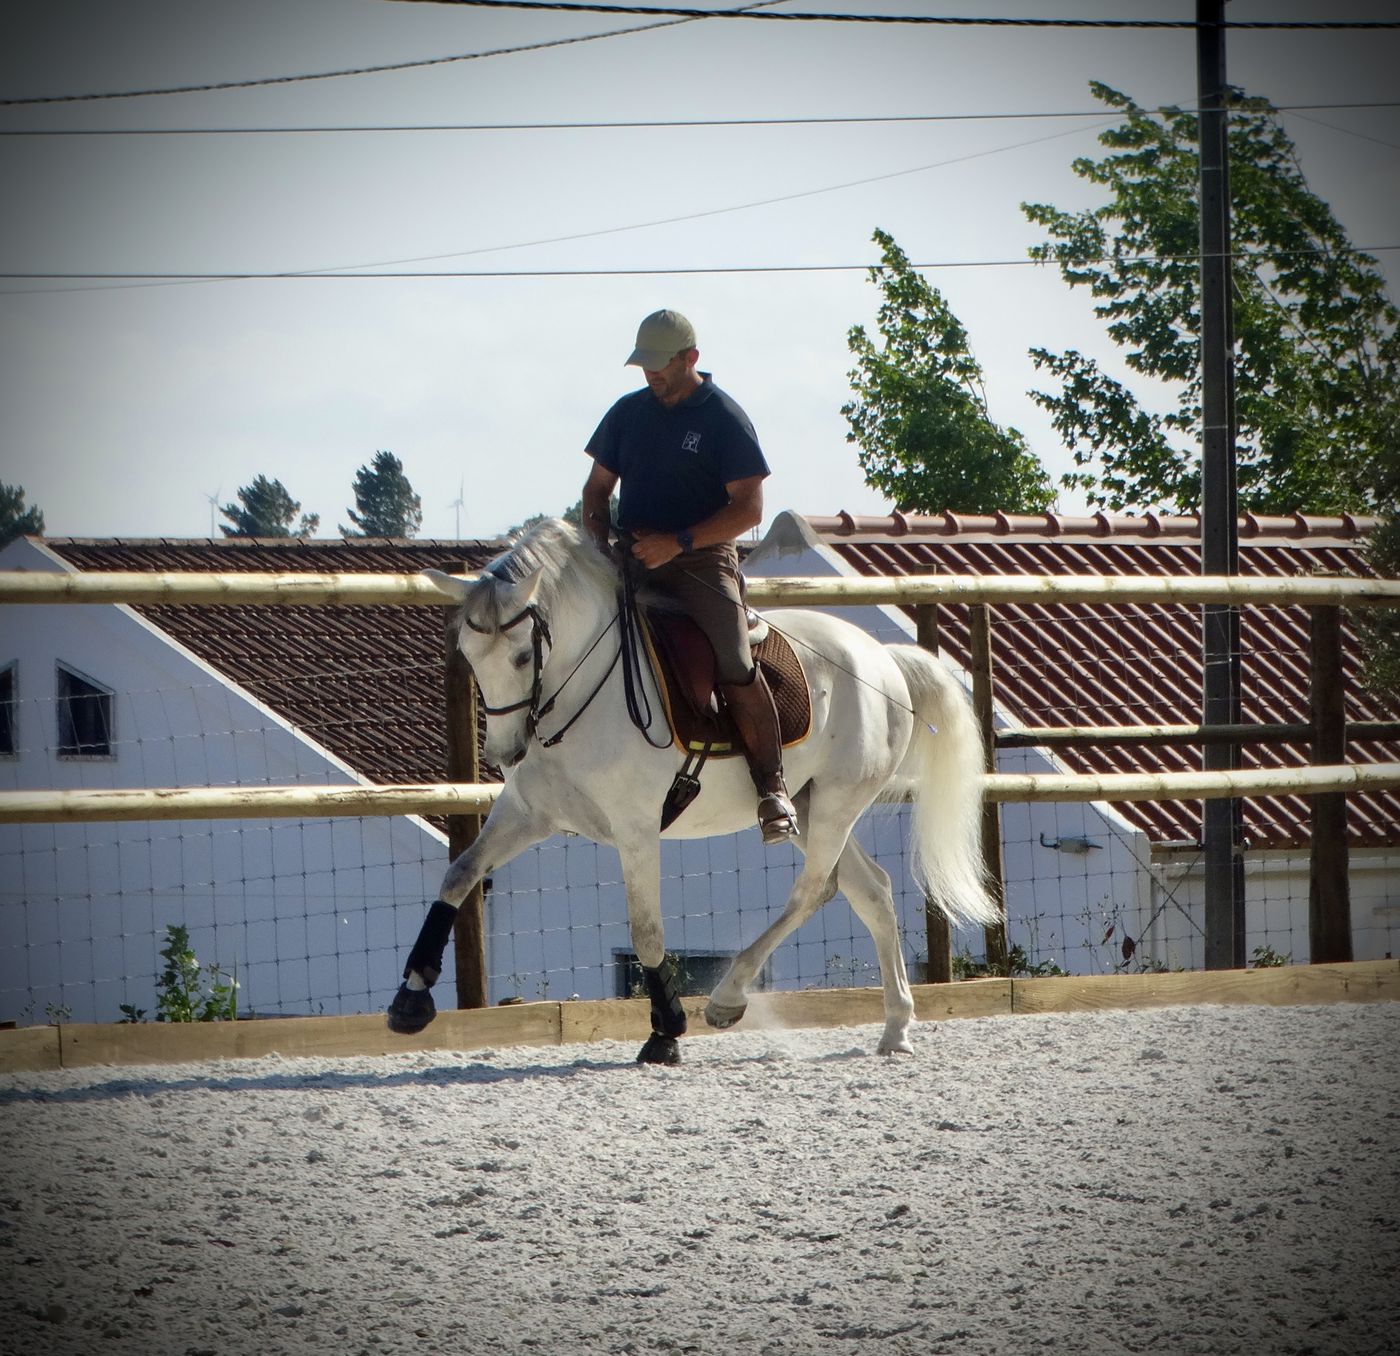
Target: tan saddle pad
[(684, 662)]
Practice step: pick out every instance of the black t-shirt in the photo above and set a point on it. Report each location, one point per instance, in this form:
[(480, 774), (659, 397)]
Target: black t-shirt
[(673, 464)]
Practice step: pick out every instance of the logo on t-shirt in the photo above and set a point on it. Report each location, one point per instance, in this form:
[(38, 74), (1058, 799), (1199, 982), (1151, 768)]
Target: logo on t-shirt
[(690, 443)]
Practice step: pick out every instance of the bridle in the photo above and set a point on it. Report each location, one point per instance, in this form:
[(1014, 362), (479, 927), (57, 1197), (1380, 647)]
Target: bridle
[(530, 703), (539, 638)]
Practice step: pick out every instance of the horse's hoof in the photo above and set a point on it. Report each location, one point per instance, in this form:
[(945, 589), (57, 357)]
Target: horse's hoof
[(719, 1015), (900, 1046), (411, 1010), (660, 1049)]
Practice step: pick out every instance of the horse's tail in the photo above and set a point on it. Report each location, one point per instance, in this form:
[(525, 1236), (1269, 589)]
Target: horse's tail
[(945, 773)]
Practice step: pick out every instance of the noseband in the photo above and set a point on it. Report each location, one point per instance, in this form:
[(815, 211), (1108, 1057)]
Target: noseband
[(539, 638)]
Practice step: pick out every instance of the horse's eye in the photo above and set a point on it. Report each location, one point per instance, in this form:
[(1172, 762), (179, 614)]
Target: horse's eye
[(522, 660)]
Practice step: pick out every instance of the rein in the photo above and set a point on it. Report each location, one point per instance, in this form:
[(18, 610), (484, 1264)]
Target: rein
[(629, 636)]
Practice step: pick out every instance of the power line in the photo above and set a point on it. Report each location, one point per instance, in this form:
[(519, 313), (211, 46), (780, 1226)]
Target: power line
[(826, 120), (1350, 131), (325, 276), (708, 212), (261, 81), (947, 21), (671, 16)]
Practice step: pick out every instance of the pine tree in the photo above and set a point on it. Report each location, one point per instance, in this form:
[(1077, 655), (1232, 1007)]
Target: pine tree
[(267, 510), (15, 519), (386, 503)]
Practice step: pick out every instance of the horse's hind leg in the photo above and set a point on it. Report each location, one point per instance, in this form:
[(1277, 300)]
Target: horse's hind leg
[(815, 884), (641, 872), (867, 886)]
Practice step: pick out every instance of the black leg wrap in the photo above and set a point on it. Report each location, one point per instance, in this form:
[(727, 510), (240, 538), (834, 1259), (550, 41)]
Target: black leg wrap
[(426, 956), (667, 1014)]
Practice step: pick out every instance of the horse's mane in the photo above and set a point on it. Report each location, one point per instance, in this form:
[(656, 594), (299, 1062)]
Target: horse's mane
[(570, 563)]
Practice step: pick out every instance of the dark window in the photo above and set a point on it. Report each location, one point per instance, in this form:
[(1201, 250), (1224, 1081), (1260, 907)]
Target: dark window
[(699, 971), (84, 717), (9, 712)]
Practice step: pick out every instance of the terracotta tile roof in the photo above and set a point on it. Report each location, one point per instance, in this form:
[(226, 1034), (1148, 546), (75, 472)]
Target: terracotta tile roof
[(1140, 665), (365, 682)]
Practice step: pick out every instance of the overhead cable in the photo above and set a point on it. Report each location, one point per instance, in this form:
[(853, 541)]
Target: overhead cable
[(820, 120), (321, 275), (259, 82), (947, 21), (671, 16)]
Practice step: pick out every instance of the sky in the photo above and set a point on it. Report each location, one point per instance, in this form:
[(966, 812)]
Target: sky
[(127, 406)]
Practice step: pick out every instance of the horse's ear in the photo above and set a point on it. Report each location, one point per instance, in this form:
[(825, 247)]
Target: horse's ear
[(520, 592), (448, 584)]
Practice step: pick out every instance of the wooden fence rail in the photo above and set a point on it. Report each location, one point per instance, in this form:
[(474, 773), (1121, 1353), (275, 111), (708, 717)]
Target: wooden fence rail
[(449, 798), (324, 590)]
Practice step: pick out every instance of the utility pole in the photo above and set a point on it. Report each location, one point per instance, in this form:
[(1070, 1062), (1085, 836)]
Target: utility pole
[(1222, 820)]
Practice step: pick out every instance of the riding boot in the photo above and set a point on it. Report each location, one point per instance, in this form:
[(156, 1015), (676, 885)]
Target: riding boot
[(756, 720)]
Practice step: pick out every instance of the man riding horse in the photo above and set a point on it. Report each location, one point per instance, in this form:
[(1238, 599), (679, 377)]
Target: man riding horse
[(691, 474)]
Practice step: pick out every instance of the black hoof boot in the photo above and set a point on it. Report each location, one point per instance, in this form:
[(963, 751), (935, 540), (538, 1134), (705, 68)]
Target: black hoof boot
[(660, 1049), (411, 1010)]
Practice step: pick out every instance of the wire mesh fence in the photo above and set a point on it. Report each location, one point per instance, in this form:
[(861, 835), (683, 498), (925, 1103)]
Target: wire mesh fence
[(314, 916)]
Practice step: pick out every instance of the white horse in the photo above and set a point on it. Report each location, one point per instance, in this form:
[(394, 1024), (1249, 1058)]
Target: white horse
[(539, 630)]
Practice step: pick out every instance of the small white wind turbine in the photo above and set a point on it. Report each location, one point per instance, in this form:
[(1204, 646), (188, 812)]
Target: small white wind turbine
[(213, 506), (457, 504)]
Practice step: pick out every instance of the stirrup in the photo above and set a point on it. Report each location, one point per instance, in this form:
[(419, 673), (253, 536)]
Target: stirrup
[(777, 818)]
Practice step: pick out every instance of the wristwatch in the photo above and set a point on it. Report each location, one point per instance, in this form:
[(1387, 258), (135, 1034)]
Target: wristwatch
[(685, 541)]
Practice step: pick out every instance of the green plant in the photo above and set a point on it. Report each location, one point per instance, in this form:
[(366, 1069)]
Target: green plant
[(58, 1013), (1017, 963), (1266, 958), (180, 992), (131, 1014)]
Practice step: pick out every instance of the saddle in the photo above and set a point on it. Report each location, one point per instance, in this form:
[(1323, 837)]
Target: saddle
[(687, 676)]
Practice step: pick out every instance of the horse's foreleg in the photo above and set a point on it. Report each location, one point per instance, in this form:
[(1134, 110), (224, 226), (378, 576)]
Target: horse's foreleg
[(641, 871), (507, 832)]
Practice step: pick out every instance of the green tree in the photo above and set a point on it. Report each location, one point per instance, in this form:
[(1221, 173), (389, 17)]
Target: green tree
[(1379, 628), (267, 510), (1317, 358), (15, 519), (919, 413), (385, 504)]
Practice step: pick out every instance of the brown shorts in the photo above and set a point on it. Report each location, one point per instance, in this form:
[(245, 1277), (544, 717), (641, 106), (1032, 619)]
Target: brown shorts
[(709, 588)]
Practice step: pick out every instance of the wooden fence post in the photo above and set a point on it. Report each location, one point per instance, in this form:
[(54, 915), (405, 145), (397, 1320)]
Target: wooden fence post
[(980, 626), (1329, 887), (939, 969), (463, 765)]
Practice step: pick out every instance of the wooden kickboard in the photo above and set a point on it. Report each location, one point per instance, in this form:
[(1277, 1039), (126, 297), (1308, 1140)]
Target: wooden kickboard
[(80, 1044)]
